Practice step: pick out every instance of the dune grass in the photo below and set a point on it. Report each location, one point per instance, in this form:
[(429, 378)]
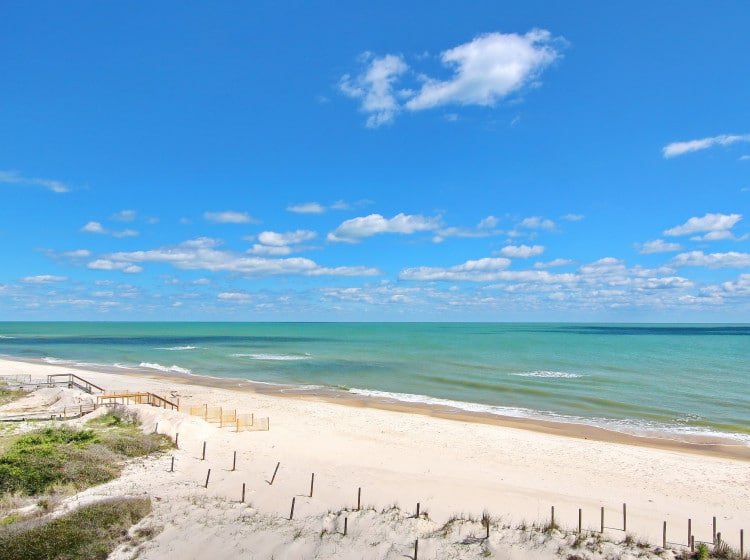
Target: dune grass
[(88, 533), (50, 458)]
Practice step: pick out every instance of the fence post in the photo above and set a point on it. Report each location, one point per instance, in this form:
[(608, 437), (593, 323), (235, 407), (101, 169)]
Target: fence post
[(624, 517), (205, 411), (602, 524), (692, 543), (552, 523), (742, 544), (203, 458), (243, 493), (359, 498), (714, 541), (312, 484), (171, 469), (417, 510), (690, 530), (207, 477), (176, 440), (156, 428), (291, 513), (580, 517), (718, 539), (234, 461), (346, 523), (416, 548), (664, 536), (274, 472)]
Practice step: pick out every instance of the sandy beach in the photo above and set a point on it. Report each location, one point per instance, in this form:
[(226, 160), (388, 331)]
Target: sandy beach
[(450, 464)]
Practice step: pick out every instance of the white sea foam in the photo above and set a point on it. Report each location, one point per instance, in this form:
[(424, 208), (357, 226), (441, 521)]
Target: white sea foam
[(159, 367), (6, 336), (274, 357), (57, 361), (176, 348), (548, 374)]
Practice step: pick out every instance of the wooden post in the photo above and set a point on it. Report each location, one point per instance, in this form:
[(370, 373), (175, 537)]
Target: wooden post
[(275, 471), (312, 484), (552, 523), (171, 469), (203, 458), (207, 477), (416, 548), (359, 498), (417, 510), (624, 517), (205, 411), (487, 529), (692, 543), (714, 541), (234, 462), (602, 524), (690, 530), (664, 536), (156, 428), (346, 523), (742, 544), (243, 493), (291, 513), (237, 425), (718, 539), (580, 517), (176, 440)]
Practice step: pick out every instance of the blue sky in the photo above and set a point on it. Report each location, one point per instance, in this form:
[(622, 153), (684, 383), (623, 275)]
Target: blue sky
[(436, 161)]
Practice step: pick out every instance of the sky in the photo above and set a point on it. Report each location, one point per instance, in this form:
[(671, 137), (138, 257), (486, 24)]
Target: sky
[(427, 161)]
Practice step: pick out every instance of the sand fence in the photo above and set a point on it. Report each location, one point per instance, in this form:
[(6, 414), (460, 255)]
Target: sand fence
[(229, 418)]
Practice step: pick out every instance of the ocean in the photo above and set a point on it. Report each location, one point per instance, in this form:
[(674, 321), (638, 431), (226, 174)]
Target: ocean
[(678, 380)]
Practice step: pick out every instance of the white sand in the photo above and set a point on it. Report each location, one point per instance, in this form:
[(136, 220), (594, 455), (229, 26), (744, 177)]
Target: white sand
[(399, 458)]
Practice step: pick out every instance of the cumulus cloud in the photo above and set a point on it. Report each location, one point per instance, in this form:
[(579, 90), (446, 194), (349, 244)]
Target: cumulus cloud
[(99, 229), (43, 279), (289, 238), (15, 178), (487, 69), (731, 259), (203, 254), (521, 251), (553, 263), (234, 296), (77, 254), (474, 270), (680, 148), (713, 227), (106, 264), (658, 246), (228, 217), (573, 217), (484, 71), (375, 87), (356, 229), (307, 208), (124, 215), (537, 222)]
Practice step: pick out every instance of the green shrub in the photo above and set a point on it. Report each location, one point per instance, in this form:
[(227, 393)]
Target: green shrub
[(88, 533)]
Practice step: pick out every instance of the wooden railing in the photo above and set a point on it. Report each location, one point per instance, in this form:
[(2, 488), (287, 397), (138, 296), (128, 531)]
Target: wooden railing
[(128, 397), (72, 380)]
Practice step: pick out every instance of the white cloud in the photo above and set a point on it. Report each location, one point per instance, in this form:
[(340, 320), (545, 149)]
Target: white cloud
[(489, 222), (537, 222), (77, 254), (202, 254), (356, 229), (14, 178), (229, 217), (97, 228), (124, 216), (93, 227), (715, 227), (521, 251), (289, 238), (43, 279), (553, 263), (658, 246), (269, 250), (745, 158), (679, 148), (374, 87), (106, 264), (731, 259), (474, 270), (307, 208), (486, 69), (234, 296), (573, 217)]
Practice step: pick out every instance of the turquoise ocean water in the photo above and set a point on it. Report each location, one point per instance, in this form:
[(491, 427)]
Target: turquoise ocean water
[(636, 378)]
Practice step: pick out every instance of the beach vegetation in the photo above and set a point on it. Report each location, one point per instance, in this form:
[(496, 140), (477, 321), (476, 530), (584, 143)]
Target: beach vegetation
[(62, 458), (88, 533), (702, 552), (9, 395)]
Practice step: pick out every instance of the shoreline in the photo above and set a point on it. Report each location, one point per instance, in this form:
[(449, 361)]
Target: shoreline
[(714, 446)]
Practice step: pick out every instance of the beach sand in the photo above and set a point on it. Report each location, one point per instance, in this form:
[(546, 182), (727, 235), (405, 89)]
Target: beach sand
[(449, 463)]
